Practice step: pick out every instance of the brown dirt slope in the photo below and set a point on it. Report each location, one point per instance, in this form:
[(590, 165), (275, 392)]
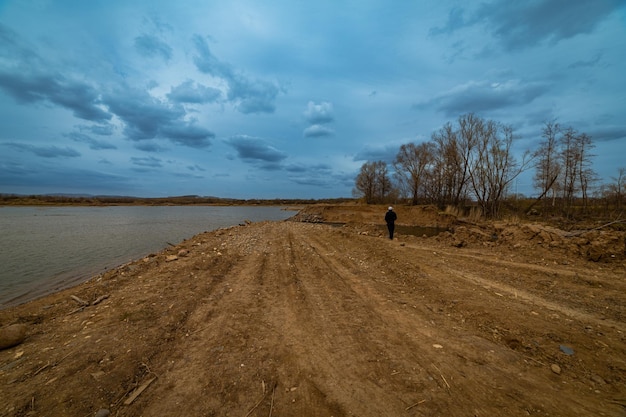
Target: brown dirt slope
[(289, 318)]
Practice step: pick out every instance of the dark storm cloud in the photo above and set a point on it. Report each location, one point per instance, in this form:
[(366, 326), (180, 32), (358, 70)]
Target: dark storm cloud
[(607, 133), (524, 24), (301, 168), (44, 151), (252, 96), (317, 175), (187, 134), (80, 98), (142, 114), (146, 117), (149, 146), (93, 143), (384, 153), (147, 162), (190, 92), (195, 167), (312, 181), (583, 63), (26, 77), (256, 150), (476, 97), (151, 46), (317, 131), (105, 129), (248, 96)]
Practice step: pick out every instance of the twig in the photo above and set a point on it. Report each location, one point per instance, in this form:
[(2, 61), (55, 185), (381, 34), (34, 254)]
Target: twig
[(138, 391), (272, 402), (261, 400), (414, 405), (442, 377), (48, 365), (81, 308), (42, 368), (63, 358), (80, 300), (256, 405)]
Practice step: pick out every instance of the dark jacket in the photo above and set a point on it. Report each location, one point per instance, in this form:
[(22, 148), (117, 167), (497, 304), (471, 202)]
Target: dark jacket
[(391, 216)]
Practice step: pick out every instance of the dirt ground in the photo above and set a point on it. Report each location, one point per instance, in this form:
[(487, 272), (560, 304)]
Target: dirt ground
[(334, 319)]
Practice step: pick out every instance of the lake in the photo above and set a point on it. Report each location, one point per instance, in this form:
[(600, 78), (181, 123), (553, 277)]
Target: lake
[(44, 249)]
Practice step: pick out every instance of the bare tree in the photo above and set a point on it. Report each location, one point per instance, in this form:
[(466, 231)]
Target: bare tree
[(373, 182), (365, 184), (451, 169), (618, 188), (471, 129), (547, 168), (384, 185), (492, 166), (569, 160), (411, 164), (586, 175)]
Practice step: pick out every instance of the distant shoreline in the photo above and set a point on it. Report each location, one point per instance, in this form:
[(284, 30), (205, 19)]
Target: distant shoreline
[(98, 201)]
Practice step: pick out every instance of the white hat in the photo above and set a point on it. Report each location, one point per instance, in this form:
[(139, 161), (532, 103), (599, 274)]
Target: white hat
[(390, 208)]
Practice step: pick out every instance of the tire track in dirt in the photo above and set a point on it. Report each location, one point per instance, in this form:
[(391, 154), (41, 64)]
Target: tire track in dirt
[(455, 267), (335, 316), (465, 354)]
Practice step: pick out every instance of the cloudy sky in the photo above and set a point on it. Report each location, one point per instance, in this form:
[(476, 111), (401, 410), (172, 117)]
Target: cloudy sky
[(288, 98)]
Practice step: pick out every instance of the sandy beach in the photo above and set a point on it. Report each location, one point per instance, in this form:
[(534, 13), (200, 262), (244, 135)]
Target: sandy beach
[(325, 316)]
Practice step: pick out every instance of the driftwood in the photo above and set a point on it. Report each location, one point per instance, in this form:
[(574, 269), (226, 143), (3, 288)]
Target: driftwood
[(84, 303), (80, 300), (136, 393), (100, 299)]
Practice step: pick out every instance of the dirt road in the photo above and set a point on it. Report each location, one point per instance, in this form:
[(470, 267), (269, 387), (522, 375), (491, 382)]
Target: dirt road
[(297, 319)]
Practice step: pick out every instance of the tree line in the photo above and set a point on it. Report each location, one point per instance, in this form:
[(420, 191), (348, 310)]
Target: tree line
[(471, 162)]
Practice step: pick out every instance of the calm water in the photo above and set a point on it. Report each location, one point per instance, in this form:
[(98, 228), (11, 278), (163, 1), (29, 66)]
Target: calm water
[(49, 248)]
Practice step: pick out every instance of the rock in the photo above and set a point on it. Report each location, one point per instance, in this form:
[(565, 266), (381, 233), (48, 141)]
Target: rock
[(598, 379), (566, 349), (555, 368), (183, 252), (103, 412), (170, 258), (12, 335)]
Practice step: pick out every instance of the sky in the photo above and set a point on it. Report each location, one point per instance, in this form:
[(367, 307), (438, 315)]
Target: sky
[(289, 98)]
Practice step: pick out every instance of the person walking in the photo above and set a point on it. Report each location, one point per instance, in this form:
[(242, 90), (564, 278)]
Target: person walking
[(390, 218)]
